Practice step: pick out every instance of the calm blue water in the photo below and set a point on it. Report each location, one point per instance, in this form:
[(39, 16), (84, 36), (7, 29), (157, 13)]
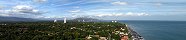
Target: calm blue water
[(159, 30)]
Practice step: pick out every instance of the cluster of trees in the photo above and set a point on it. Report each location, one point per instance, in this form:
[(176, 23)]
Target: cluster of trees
[(59, 30)]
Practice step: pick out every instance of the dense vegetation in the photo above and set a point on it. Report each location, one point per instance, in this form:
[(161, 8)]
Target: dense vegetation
[(60, 31)]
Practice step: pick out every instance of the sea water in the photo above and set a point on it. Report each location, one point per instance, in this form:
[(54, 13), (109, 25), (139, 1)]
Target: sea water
[(159, 30)]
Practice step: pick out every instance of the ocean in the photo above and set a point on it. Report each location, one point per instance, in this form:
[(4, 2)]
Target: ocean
[(159, 30)]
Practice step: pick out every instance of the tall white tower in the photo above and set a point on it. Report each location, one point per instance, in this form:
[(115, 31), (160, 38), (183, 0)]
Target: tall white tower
[(65, 20), (55, 20)]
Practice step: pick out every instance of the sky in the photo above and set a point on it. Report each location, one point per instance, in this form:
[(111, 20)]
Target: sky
[(100, 9)]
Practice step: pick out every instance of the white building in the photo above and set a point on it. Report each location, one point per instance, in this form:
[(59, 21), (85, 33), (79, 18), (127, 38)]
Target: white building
[(55, 20), (65, 20), (114, 21)]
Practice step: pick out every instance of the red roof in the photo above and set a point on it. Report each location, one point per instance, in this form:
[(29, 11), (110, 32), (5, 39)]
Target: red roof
[(124, 38)]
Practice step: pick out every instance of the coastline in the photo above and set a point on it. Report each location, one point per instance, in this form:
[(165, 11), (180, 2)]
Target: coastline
[(135, 35)]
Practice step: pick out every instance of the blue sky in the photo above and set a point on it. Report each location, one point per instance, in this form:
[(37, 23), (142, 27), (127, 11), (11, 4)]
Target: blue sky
[(101, 9)]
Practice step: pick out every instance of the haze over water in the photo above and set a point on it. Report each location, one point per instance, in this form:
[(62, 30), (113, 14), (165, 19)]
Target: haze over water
[(159, 30)]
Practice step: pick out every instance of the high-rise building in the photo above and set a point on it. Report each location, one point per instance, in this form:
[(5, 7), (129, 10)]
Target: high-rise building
[(55, 20), (65, 20)]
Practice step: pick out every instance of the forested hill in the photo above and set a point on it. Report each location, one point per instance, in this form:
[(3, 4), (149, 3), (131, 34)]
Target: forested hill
[(12, 19)]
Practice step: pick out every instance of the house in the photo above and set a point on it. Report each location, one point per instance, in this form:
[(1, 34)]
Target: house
[(125, 37), (102, 38)]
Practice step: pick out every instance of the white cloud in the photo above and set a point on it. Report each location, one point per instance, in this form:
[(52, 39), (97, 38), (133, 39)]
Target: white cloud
[(158, 4), (95, 1), (4, 15), (21, 11), (119, 3), (39, 1), (123, 14), (53, 16), (76, 7), (25, 9), (136, 14), (1, 7), (74, 11), (76, 2), (101, 15), (4, 12)]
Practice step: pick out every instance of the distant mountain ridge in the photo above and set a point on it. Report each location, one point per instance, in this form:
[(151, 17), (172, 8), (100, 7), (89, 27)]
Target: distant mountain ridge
[(85, 19), (18, 19), (10, 19)]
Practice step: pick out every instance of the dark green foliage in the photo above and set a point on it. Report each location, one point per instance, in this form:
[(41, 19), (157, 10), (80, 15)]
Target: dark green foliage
[(58, 31)]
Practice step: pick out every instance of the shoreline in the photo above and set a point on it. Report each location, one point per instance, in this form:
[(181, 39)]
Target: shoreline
[(135, 35)]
